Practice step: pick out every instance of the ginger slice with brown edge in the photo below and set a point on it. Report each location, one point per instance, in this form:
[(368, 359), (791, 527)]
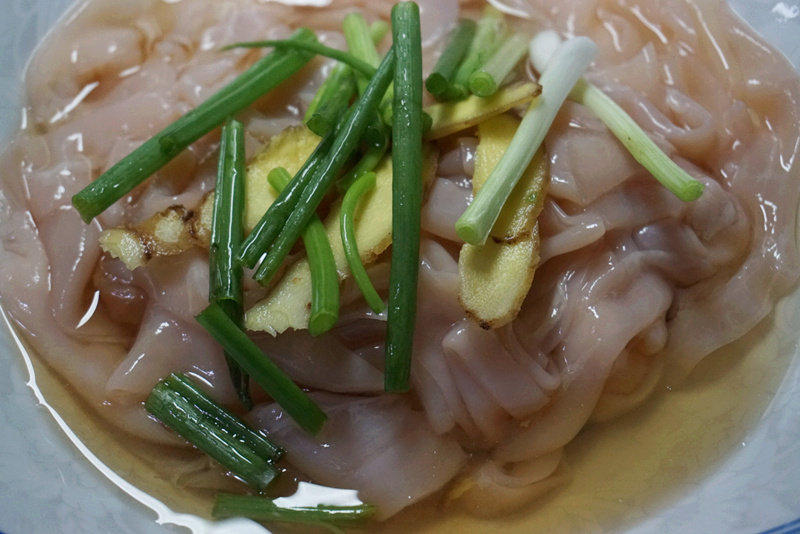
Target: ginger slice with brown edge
[(178, 228), (495, 277)]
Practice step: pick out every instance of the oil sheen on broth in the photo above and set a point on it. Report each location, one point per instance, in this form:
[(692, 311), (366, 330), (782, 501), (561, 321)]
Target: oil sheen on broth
[(635, 289)]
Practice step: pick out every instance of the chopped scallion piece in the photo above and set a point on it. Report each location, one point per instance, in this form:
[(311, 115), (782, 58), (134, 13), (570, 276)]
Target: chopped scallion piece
[(234, 426), (321, 263), (361, 44), (406, 195), (344, 144), (334, 96), (486, 80), (624, 128), (331, 101), (208, 432), (348, 230), (263, 509), (269, 226), (438, 81), (133, 169), (227, 232), (488, 36), (275, 383), (563, 70), (315, 47)]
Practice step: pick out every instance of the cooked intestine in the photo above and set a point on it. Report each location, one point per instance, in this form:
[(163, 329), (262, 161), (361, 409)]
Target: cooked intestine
[(635, 286)]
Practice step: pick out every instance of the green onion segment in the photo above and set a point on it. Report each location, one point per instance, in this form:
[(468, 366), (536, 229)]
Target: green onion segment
[(406, 195), (489, 33), (263, 509), (624, 128), (180, 405), (438, 81), (133, 169), (563, 70), (269, 226), (344, 144), (362, 184), (315, 47), (488, 79), (321, 263), (272, 380), (227, 232)]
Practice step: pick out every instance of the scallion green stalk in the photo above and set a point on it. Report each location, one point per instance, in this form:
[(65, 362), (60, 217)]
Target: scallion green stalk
[(344, 144), (624, 128), (321, 263), (347, 229), (205, 431), (488, 37), (272, 380), (271, 223), (315, 47), (564, 69), (406, 195), (263, 509), (227, 232), (488, 79), (133, 169), (331, 101), (232, 425), (438, 81)]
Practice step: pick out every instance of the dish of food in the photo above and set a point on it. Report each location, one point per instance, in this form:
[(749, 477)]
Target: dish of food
[(633, 287)]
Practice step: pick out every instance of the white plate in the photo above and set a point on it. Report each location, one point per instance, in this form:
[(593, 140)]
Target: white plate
[(47, 486)]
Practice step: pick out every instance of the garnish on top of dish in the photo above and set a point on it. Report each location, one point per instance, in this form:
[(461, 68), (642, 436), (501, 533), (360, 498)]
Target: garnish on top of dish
[(427, 246)]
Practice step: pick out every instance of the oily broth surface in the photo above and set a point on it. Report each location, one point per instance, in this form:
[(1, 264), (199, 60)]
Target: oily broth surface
[(621, 471), (591, 456)]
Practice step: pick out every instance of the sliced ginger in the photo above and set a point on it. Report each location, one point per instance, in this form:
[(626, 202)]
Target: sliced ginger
[(178, 228), (288, 304), (494, 278)]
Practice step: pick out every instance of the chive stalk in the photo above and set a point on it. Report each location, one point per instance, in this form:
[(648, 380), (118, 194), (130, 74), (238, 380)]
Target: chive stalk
[(344, 144), (622, 125), (488, 36), (406, 195), (315, 47), (321, 263), (133, 169), (563, 70), (269, 226), (232, 425), (439, 80), (205, 431), (368, 162), (263, 509), (331, 101), (227, 232), (488, 79), (347, 229), (275, 382), (361, 44), (334, 95)]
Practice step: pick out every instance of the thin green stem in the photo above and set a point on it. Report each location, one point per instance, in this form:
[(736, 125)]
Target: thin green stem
[(321, 263), (347, 227), (272, 380), (314, 47)]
